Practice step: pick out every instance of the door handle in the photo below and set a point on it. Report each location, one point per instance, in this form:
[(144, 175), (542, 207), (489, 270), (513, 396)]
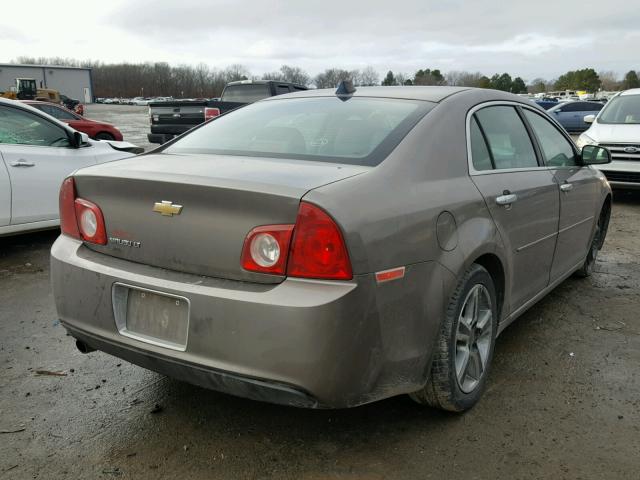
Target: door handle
[(507, 199), (22, 163), (566, 187)]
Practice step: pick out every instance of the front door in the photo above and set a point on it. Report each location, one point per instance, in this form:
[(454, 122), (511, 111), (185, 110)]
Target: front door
[(38, 156), (578, 188), (521, 195), (5, 195)]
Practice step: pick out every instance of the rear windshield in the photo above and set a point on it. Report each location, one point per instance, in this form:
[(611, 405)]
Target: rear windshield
[(357, 131), (621, 109), (246, 93)]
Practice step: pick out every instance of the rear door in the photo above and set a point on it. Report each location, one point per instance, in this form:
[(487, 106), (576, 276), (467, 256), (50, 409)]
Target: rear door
[(521, 195), (578, 193), (38, 156)]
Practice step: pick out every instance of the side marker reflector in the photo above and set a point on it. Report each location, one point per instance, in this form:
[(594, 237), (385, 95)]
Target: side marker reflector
[(388, 275)]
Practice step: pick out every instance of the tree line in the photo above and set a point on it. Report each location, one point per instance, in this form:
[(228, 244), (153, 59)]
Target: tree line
[(201, 81)]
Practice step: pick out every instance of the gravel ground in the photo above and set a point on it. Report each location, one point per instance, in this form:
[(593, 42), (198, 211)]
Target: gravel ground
[(563, 400)]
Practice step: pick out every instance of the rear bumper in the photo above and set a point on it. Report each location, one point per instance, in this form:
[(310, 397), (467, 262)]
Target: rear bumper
[(164, 133), (301, 342), (213, 379)]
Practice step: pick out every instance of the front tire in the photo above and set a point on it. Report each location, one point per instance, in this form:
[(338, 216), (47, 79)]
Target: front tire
[(465, 346)]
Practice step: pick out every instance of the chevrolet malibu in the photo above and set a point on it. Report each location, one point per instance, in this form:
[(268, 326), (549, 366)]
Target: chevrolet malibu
[(328, 249)]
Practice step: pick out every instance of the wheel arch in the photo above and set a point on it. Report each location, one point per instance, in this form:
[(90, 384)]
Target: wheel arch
[(606, 207), (494, 266), (106, 132)]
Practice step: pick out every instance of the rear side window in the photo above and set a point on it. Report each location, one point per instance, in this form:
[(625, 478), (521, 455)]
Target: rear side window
[(282, 89), (358, 131), (479, 151), (246, 92), (508, 140), (572, 107), (557, 150), (55, 112)]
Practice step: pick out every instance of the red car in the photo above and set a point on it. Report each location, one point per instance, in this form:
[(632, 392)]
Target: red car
[(96, 130)]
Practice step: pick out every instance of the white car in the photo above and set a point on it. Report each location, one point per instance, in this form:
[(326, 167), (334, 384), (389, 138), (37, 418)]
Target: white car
[(37, 152), (617, 127), (140, 101)]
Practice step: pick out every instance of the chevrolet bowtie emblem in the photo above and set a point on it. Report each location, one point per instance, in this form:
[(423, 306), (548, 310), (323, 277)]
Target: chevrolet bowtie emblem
[(167, 208)]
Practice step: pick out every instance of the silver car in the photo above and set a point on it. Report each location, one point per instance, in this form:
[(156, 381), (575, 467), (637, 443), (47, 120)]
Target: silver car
[(328, 249)]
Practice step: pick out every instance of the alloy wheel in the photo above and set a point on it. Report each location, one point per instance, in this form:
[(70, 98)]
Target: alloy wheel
[(473, 338)]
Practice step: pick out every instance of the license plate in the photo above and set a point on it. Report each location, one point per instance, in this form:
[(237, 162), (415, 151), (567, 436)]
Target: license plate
[(153, 317)]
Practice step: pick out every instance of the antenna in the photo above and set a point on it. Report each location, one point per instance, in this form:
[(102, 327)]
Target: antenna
[(345, 87)]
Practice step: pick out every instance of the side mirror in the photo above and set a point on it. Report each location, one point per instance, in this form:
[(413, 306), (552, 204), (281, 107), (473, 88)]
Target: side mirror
[(589, 118), (79, 139), (595, 155)]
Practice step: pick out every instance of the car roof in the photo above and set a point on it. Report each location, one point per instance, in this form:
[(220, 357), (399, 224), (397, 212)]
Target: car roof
[(429, 94), (633, 91), (39, 102)]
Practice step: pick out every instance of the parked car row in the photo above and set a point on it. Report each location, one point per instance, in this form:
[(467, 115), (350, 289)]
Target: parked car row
[(132, 101)]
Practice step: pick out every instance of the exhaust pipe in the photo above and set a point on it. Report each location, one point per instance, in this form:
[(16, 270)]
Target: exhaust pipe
[(83, 347)]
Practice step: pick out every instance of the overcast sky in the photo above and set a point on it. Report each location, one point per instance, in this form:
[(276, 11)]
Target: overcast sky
[(530, 39)]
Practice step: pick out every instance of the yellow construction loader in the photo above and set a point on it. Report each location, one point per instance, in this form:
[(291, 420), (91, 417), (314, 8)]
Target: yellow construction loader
[(27, 89)]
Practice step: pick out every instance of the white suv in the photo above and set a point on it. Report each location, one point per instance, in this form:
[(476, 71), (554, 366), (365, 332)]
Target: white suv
[(617, 127)]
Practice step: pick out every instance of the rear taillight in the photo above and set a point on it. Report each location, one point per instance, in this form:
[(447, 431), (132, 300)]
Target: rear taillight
[(312, 248), (80, 218), (90, 222), (317, 248), (266, 249), (210, 112), (68, 223)]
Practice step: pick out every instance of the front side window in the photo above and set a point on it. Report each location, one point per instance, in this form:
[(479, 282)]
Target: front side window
[(358, 131), (623, 109), (507, 137), (557, 150), (18, 127)]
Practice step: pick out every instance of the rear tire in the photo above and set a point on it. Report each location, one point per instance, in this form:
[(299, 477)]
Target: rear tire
[(596, 244), (464, 350), (104, 136)]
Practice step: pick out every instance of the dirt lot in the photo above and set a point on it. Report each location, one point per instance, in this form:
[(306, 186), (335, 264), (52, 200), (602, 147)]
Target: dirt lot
[(563, 400)]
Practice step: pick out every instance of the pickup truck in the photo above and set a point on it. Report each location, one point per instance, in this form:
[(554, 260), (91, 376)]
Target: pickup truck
[(169, 119)]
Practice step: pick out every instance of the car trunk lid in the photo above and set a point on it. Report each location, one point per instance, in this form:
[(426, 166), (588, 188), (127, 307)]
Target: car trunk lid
[(191, 213)]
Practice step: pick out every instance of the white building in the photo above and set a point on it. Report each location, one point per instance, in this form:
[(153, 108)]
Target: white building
[(73, 82)]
